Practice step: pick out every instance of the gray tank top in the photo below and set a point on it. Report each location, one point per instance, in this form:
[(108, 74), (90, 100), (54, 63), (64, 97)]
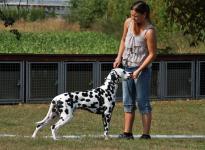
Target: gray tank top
[(135, 48)]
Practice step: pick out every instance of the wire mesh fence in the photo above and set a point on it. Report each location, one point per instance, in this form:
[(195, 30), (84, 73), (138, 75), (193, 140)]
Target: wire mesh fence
[(155, 80), (44, 80), (179, 79), (10, 82), (79, 76), (202, 79)]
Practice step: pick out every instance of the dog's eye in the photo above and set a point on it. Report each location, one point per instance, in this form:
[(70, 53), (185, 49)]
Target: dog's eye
[(124, 72)]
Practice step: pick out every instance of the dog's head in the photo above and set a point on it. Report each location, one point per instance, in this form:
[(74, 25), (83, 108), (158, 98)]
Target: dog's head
[(119, 74)]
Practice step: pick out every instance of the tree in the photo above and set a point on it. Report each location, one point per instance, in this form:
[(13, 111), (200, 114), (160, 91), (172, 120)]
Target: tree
[(190, 16), (116, 13), (87, 11)]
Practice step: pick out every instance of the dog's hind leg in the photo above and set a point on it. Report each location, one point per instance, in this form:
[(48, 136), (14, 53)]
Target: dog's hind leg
[(64, 118), (50, 116), (43, 124)]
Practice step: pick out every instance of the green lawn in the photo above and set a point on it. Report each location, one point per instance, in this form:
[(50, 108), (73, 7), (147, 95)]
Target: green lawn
[(169, 117)]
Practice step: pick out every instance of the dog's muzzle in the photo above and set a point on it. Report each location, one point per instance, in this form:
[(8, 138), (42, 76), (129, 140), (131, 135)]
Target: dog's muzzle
[(131, 74)]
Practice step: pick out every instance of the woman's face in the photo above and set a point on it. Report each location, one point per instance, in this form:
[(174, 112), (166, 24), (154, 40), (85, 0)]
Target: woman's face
[(137, 17)]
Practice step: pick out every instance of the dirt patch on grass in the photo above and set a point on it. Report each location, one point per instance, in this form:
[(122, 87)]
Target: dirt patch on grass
[(48, 25)]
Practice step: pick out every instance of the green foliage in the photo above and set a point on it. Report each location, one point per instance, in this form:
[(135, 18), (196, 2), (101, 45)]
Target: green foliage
[(106, 12), (178, 23), (58, 42), (169, 17), (22, 14), (116, 13), (36, 14), (11, 12), (118, 10), (166, 30), (87, 11), (190, 15), (26, 14)]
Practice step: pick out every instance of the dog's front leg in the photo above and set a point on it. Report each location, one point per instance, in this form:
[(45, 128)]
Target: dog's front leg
[(106, 123)]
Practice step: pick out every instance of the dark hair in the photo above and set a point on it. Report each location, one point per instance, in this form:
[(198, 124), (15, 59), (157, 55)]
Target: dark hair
[(141, 7)]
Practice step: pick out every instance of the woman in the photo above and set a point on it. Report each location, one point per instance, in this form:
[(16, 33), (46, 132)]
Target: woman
[(136, 52)]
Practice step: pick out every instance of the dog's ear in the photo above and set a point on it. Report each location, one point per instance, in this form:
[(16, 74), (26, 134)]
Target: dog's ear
[(113, 77)]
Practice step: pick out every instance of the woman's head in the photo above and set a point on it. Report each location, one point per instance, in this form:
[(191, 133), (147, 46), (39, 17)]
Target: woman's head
[(140, 11)]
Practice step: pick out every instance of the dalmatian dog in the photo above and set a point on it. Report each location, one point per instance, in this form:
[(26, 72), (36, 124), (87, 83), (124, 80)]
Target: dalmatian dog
[(100, 101)]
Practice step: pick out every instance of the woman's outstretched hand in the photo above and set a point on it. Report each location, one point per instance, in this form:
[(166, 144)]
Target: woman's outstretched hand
[(117, 62)]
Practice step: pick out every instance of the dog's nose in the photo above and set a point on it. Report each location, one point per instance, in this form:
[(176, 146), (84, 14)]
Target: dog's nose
[(130, 74)]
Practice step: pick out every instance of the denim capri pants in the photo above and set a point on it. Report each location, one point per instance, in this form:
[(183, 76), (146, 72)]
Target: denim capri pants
[(136, 92)]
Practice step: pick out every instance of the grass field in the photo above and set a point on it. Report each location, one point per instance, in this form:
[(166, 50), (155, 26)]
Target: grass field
[(58, 43), (56, 36), (173, 117)]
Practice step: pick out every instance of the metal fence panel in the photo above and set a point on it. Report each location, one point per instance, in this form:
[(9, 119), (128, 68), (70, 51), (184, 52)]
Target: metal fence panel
[(155, 81), (45, 80), (42, 81), (179, 79), (11, 81), (79, 76), (202, 78)]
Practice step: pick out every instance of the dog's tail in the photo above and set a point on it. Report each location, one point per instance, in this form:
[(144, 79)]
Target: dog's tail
[(49, 114)]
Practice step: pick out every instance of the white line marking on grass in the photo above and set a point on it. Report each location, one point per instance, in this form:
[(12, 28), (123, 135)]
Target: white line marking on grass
[(7, 135), (179, 136), (114, 136)]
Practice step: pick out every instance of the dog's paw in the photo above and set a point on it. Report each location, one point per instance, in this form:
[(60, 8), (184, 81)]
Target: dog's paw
[(107, 137), (56, 139)]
